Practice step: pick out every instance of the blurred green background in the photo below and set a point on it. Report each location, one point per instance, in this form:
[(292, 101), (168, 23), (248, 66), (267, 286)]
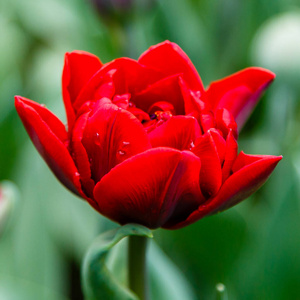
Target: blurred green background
[(254, 248)]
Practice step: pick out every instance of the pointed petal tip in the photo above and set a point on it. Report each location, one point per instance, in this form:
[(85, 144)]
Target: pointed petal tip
[(267, 72), (277, 159), (80, 52), (18, 99), (20, 103)]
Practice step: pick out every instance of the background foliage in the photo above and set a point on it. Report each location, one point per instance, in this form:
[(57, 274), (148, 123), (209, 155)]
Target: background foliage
[(253, 248)]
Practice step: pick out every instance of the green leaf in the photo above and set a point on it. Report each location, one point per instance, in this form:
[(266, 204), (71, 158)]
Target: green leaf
[(9, 195), (98, 282), (167, 281)]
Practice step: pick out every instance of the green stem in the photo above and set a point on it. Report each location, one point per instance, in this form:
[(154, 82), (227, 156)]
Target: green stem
[(138, 280)]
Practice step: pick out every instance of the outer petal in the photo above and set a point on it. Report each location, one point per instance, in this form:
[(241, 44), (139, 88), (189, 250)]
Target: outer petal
[(149, 187), (236, 188), (55, 125), (111, 136), (48, 144), (79, 67), (179, 132), (169, 58), (239, 92)]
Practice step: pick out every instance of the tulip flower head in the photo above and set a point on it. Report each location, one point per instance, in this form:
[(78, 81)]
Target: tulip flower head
[(146, 143)]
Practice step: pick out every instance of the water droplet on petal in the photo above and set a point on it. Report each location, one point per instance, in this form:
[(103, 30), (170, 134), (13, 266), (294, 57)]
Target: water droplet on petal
[(131, 104), (97, 138), (121, 152), (198, 94), (192, 145), (77, 174), (126, 143)]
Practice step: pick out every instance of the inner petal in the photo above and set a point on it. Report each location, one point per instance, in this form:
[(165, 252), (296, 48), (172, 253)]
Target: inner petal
[(179, 132), (111, 136), (165, 90)]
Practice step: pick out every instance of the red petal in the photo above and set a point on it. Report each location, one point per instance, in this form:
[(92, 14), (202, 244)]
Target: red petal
[(225, 122), (236, 188), (192, 102), (139, 114), (239, 92), (169, 59), (121, 101), (80, 155), (161, 106), (245, 159), (167, 89), (220, 143), (211, 174), (79, 67), (230, 155), (149, 187), (55, 125), (99, 86), (112, 135), (48, 144), (179, 132), (128, 77), (207, 120)]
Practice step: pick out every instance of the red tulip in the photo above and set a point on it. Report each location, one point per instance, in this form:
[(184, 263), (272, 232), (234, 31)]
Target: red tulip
[(146, 143)]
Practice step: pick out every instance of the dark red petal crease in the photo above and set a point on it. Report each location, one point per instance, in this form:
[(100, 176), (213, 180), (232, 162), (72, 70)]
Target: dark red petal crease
[(50, 147), (147, 188)]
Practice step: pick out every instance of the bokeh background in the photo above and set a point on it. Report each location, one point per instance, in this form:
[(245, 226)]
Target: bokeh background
[(254, 248)]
